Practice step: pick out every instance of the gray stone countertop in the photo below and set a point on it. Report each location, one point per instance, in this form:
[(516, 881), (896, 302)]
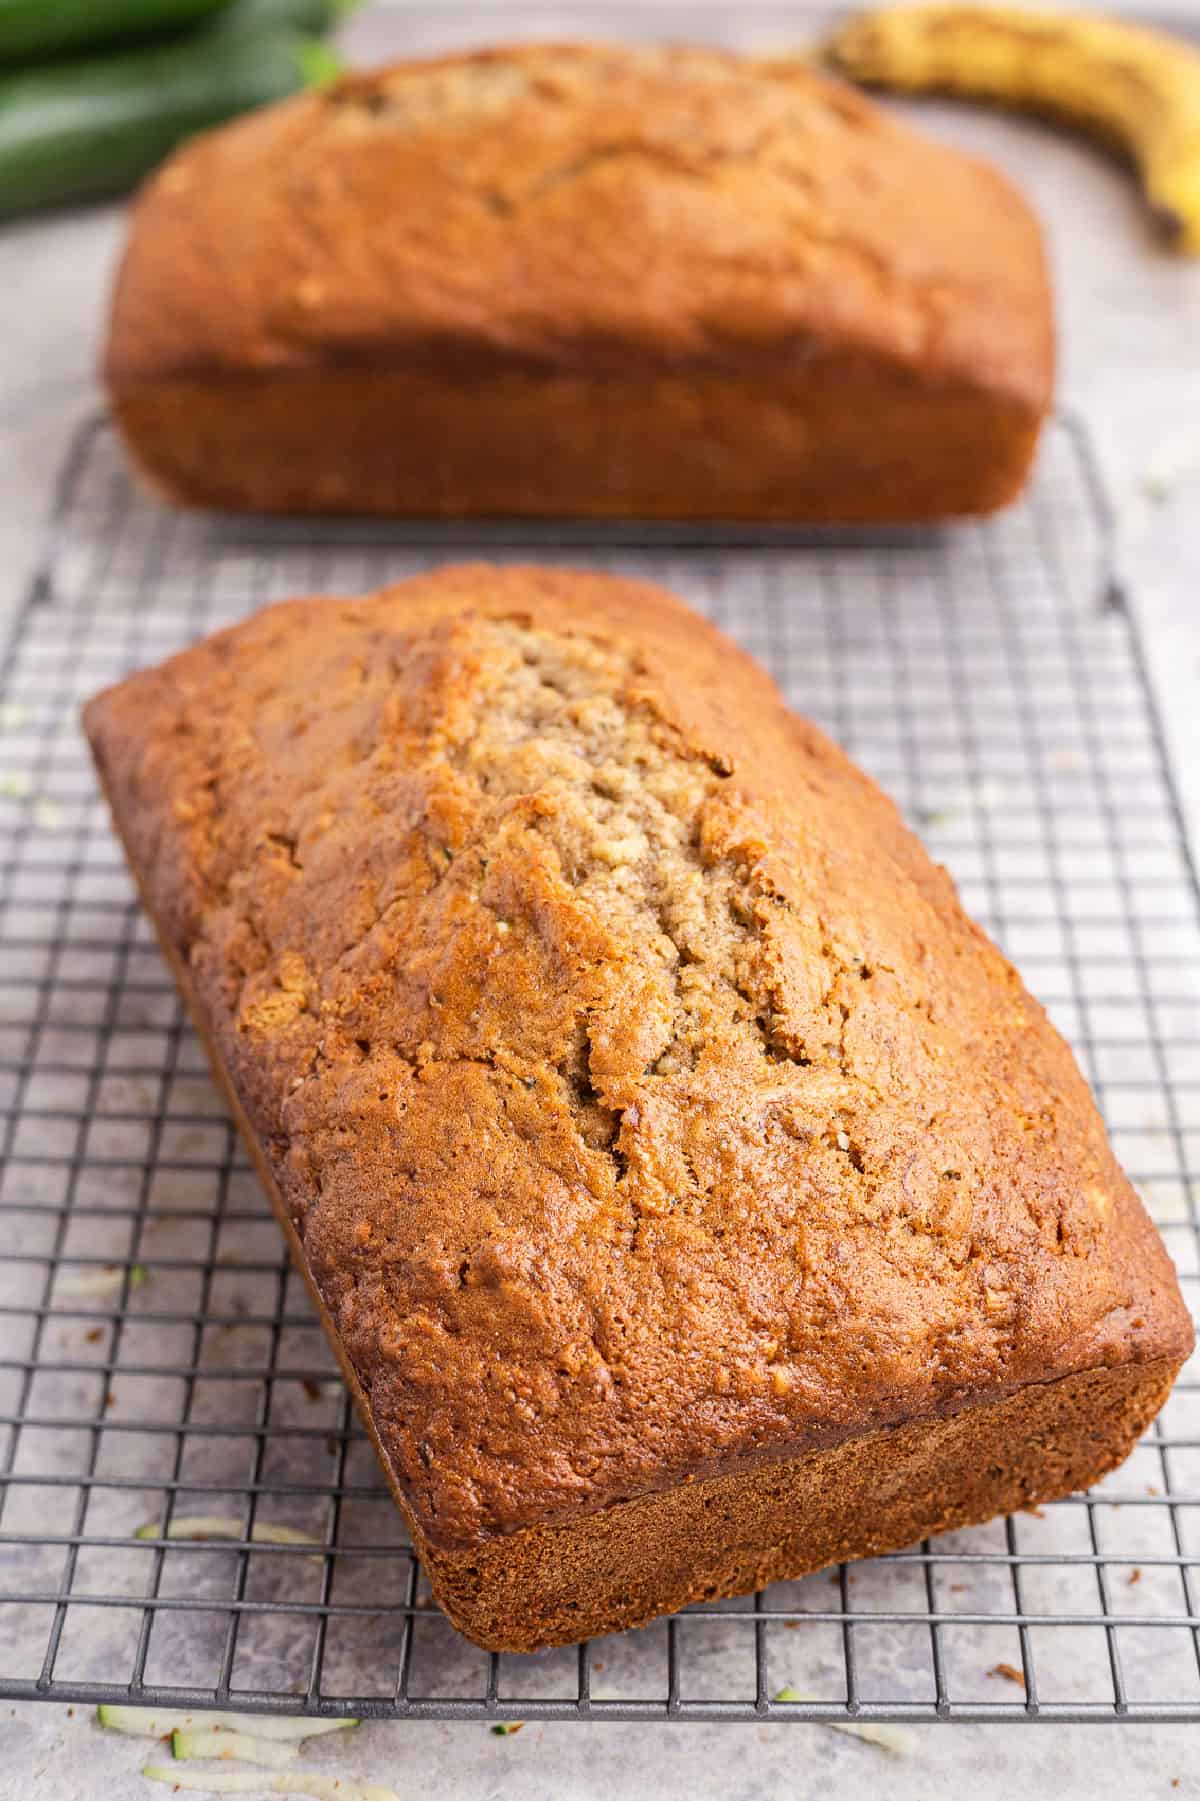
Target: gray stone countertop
[(1130, 364)]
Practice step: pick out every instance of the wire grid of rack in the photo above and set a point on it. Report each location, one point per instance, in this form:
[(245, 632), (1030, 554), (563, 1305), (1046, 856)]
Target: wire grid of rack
[(995, 685)]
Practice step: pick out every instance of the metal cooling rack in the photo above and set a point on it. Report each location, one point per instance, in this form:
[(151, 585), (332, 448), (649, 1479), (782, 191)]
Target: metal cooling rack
[(981, 676)]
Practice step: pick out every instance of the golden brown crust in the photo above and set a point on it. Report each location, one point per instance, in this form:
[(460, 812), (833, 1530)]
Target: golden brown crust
[(731, 1535), (646, 1106), (538, 215), (703, 1540), (714, 445)]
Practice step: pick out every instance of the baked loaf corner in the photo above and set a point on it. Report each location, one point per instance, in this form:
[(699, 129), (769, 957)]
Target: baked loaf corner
[(593, 280), (694, 1195)]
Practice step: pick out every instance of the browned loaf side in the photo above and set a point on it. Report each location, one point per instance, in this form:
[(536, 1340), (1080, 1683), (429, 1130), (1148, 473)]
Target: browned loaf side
[(582, 280), (693, 1193)]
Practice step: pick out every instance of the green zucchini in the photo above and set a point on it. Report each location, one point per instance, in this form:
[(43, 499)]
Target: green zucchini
[(34, 30), (82, 130), (313, 16)]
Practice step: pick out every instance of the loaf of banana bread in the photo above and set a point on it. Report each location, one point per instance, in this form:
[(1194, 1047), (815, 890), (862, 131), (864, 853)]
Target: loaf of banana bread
[(693, 1194), (582, 280)]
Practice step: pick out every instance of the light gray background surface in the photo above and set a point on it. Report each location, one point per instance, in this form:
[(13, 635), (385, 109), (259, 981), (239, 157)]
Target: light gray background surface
[(1130, 338)]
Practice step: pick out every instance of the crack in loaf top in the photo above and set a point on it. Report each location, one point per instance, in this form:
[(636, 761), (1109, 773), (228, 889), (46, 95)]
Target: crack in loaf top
[(644, 1100), (581, 207)]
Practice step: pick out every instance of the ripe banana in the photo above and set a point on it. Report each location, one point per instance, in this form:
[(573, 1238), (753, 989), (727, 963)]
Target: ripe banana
[(1138, 90)]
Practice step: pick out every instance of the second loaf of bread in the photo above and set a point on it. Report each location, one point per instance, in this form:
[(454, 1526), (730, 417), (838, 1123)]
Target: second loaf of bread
[(582, 280)]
